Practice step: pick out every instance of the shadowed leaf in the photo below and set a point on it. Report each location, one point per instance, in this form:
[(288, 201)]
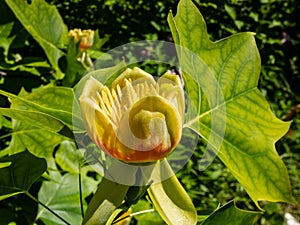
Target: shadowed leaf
[(17, 173)]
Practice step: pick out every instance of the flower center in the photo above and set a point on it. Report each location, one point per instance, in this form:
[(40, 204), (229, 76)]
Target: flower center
[(115, 102)]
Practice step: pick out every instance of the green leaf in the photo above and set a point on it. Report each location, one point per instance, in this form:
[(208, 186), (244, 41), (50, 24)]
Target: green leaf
[(68, 157), (75, 68), (30, 67), (99, 42), (45, 25), (56, 102), (145, 215), (52, 106), (62, 196), (4, 122), (40, 142), (229, 111), (18, 172), (171, 200), (229, 214), (5, 40), (37, 118)]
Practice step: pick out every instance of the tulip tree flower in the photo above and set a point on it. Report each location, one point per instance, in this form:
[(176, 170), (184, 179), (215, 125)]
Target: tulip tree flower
[(85, 37), (84, 40), (136, 119)]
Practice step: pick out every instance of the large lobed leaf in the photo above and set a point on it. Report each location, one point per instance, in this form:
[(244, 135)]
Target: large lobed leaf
[(61, 194), (228, 110), (45, 25)]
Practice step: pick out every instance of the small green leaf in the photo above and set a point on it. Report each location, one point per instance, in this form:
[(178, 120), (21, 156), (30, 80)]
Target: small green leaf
[(171, 200), (4, 122), (45, 25), (229, 111), (99, 42), (229, 214), (30, 67), (145, 215), (75, 68), (19, 173), (5, 40), (5, 164)]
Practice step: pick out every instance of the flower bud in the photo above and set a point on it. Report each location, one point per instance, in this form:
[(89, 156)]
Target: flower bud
[(85, 37), (136, 119)]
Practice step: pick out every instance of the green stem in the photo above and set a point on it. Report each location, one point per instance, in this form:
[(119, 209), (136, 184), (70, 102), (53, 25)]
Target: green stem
[(80, 192), (46, 207)]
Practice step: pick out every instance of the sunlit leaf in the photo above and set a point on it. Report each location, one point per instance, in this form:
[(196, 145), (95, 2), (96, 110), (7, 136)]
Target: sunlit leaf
[(40, 142), (32, 117), (47, 123), (229, 111), (229, 214), (56, 102), (17, 173), (45, 25)]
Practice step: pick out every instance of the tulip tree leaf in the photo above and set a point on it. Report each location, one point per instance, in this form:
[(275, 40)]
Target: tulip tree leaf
[(229, 214), (17, 173), (37, 118), (51, 107), (55, 102), (40, 142), (61, 195), (228, 110), (45, 25)]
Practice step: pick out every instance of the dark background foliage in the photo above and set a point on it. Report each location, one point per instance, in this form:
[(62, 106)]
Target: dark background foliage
[(277, 29)]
